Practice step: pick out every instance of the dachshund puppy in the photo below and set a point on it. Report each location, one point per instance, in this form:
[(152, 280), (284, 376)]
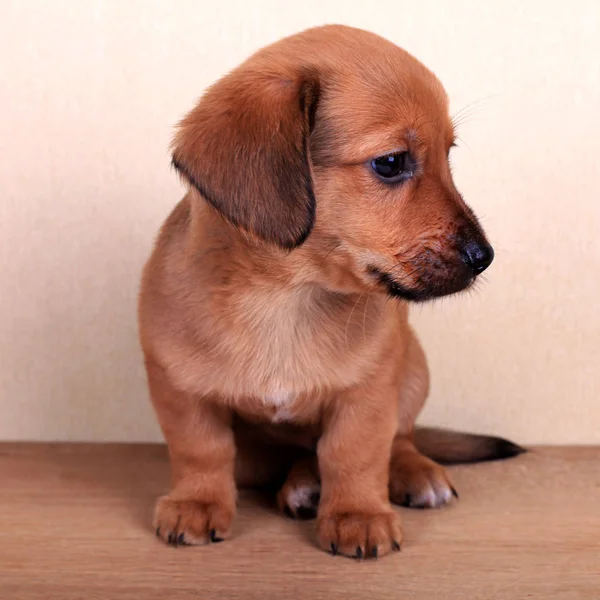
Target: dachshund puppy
[(319, 188)]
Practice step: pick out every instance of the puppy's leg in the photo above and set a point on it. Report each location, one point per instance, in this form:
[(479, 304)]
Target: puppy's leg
[(355, 517), (415, 480), (300, 494), (201, 504)]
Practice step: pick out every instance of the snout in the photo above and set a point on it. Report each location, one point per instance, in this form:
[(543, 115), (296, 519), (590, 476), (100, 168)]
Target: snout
[(478, 256), (446, 267)]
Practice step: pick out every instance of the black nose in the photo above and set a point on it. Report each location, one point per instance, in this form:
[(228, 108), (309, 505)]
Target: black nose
[(478, 256)]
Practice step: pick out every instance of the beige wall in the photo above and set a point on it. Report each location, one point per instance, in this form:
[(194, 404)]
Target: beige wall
[(89, 92)]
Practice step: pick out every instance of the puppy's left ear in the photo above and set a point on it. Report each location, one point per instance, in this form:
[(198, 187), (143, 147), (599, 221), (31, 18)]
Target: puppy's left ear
[(245, 147)]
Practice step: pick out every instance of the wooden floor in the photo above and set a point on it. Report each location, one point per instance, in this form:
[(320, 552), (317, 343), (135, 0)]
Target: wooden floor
[(75, 523)]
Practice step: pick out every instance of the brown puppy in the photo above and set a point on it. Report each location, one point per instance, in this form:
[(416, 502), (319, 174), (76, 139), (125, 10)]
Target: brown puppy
[(319, 188)]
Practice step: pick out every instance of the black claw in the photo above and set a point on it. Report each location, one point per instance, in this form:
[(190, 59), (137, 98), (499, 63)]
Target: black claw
[(454, 492), (359, 552), (171, 538), (315, 497), (407, 500), (214, 538), (395, 546), (333, 548), (158, 532), (374, 551), (181, 539), (306, 512)]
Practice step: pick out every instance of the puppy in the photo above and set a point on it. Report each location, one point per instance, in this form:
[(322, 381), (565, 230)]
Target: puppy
[(319, 188)]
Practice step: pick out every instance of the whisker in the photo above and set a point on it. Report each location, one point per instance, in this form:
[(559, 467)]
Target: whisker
[(474, 104), (464, 114), (332, 247), (464, 143), (418, 129), (349, 317), (365, 316)]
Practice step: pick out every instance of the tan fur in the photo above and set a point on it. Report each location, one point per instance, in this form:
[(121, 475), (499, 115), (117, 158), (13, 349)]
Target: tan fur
[(264, 316)]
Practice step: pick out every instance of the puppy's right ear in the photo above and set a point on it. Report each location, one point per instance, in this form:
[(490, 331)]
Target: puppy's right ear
[(245, 147)]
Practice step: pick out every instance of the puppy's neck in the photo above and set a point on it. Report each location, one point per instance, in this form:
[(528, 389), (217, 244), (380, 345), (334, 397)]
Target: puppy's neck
[(238, 255), (268, 313)]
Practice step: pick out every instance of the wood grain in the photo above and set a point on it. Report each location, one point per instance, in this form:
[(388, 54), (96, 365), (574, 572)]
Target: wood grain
[(75, 523)]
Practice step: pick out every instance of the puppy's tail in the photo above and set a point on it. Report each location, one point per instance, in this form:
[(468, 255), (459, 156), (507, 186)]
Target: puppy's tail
[(452, 447)]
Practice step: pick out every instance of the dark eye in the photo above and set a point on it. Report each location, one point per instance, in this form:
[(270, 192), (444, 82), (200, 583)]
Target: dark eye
[(394, 167)]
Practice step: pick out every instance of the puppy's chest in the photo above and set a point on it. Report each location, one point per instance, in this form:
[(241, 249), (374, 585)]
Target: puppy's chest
[(279, 405), (289, 344), (275, 352), (282, 372), (284, 412)]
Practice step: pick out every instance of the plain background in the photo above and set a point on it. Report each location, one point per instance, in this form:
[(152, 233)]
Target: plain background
[(89, 94)]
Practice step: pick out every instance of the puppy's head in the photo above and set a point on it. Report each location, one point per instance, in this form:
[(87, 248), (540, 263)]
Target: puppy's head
[(337, 135)]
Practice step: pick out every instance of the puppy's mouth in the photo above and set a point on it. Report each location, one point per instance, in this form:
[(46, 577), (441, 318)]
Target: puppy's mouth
[(426, 288)]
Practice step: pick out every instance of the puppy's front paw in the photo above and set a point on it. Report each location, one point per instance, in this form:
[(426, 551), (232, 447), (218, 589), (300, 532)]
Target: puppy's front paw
[(418, 482), (190, 522), (359, 535)]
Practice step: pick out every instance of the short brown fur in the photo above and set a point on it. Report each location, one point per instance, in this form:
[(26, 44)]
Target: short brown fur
[(265, 319)]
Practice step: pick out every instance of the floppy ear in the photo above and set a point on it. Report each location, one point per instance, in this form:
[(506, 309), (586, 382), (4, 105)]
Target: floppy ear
[(245, 147)]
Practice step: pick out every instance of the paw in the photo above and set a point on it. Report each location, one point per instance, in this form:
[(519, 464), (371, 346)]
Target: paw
[(360, 535), (299, 500), (191, 523), (418, 482)]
